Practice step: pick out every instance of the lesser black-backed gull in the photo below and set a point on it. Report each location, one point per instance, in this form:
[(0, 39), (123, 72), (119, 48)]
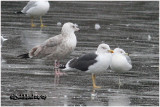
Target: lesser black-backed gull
[(94, 63)]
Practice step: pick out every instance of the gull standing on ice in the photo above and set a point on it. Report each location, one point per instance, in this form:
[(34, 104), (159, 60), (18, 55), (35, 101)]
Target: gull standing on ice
[(36, 8), (57, 47), (94, 63), (120, 62)]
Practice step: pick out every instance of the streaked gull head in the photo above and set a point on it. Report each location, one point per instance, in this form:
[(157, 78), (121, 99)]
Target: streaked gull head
[(104, 48), (69, 28), (119, 50)]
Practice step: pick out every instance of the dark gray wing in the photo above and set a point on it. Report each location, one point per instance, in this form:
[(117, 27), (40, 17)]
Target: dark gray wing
[(29, 5), (82, 63), (128, 59)]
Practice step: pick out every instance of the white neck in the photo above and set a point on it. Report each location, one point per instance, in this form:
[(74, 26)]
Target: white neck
[(65, 33)]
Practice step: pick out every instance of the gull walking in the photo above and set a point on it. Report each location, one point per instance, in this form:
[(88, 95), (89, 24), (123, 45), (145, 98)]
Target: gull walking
[(57, 47), (34, 9), (93, 63)]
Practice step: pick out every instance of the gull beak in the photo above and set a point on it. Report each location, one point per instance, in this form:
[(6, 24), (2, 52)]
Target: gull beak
[(76, 27), (127, 54), (111, 51)]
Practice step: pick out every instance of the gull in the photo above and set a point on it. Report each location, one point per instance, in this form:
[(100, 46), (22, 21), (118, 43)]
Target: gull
[(93, 63), (57, 47), (34, 9), (120, 62)]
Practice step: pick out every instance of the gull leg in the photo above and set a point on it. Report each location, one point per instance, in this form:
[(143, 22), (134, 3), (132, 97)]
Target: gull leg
[(32, 24), (94, 81), (57, 81), (119, 82), (55, 64), (59, 72), (42, 25), (56, 78), (56, 68)]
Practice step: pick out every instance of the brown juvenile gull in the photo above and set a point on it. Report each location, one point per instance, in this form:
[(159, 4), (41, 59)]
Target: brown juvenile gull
[(57, 47)]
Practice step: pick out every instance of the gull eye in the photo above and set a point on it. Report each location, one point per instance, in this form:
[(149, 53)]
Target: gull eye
[(73, 26), (104, 48)]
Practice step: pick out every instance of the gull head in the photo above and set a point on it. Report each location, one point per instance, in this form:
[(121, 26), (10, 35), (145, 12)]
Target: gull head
[(104, 48), (69, 28), (121, 51)]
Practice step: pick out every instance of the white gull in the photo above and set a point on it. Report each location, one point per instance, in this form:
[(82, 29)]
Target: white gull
[(120, 62), (35, 8)]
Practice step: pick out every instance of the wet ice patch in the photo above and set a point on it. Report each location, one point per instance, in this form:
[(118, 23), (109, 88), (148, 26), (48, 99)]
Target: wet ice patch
[(97, 26), (3, 39), (127, 25), (65, 96), (149, 37), (59, 23)]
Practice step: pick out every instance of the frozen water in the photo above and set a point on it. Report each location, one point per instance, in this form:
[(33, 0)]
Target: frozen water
[(140, 84)]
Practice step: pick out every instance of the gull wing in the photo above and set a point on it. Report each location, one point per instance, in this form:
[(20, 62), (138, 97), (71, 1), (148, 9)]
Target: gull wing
[(29, 5)]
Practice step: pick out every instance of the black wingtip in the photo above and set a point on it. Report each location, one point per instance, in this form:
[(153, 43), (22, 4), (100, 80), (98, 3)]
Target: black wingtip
[(18, 12), (24, 56), (61, 66)]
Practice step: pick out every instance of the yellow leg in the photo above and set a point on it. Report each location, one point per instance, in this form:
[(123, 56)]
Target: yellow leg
[(42, 25), (94, 81), (32, 24)]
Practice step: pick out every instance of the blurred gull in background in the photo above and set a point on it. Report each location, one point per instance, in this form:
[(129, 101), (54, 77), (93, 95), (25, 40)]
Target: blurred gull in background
[(36, 8)]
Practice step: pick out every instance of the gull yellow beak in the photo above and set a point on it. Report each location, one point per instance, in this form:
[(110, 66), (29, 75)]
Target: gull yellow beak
[(111, 51), (127, 54)]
